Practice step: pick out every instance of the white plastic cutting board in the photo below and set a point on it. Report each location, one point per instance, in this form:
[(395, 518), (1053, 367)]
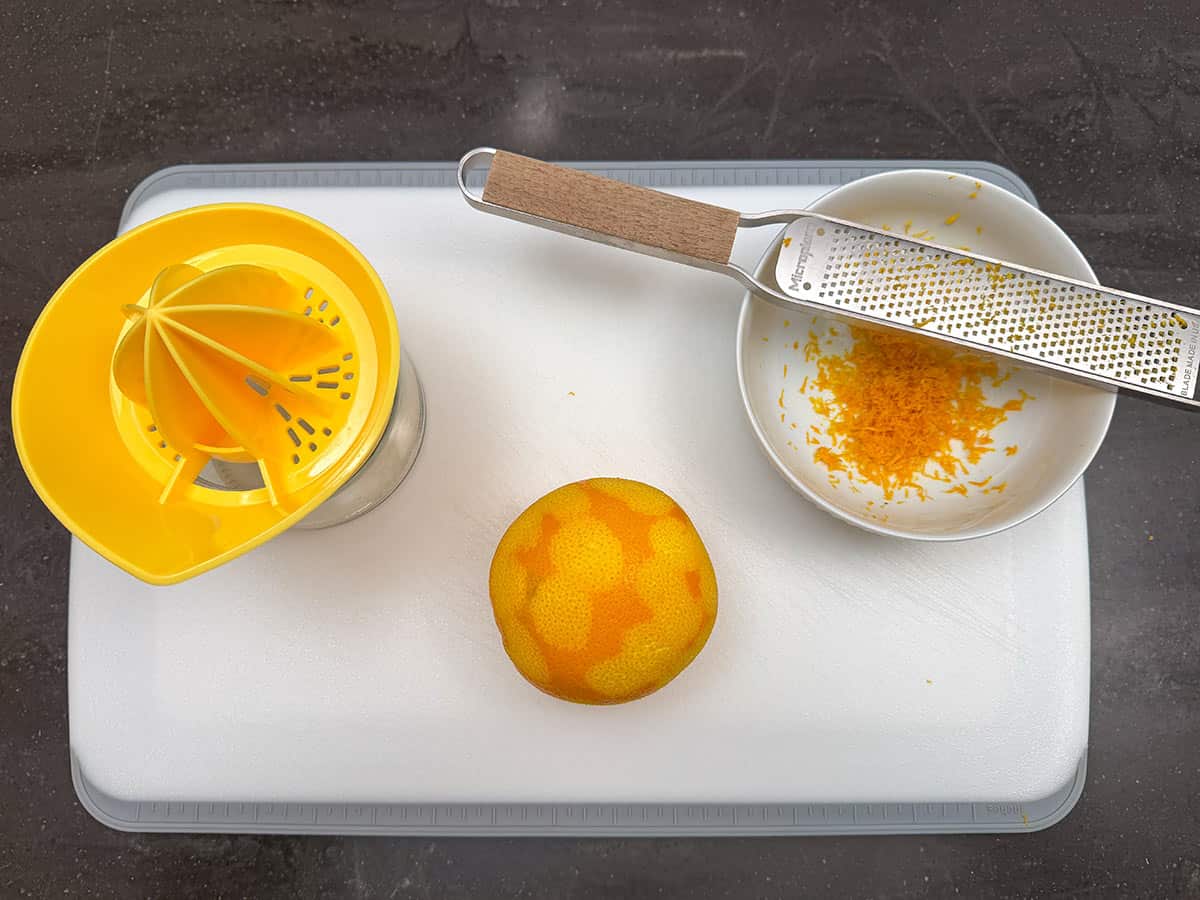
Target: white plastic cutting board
[(361, 664)]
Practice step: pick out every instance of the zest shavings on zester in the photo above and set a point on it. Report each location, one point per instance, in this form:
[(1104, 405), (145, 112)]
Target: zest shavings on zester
[(899, 411)]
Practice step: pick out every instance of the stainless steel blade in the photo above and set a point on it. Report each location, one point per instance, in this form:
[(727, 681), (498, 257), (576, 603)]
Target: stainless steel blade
[(1033, 317)]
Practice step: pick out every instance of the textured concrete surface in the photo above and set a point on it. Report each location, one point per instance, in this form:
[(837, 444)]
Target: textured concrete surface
[(1096, 105)]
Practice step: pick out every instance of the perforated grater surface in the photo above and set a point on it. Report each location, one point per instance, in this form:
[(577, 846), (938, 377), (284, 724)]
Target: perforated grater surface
[(1074, 328), (1088, 333)]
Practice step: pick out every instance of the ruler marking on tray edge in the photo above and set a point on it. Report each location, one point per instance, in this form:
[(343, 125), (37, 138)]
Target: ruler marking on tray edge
[(580, 819), (683, 174)]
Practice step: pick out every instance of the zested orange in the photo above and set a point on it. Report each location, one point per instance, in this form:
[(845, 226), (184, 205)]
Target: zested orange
[(602, 591)]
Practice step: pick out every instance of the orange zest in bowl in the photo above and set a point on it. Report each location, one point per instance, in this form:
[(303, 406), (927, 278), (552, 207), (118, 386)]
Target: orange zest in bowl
[(898, 408)]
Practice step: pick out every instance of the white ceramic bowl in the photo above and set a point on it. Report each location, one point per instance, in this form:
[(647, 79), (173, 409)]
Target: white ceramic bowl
[(1056, 435)]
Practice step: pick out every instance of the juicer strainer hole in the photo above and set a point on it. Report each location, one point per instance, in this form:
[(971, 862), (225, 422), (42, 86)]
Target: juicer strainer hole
[(162, 444), (308, 294), (327, 370), (312, 447), (326, 431), (308, 428), (300, 378), (349, 376), (308, 310), (327, 385), (152, 428), (324, 305), (296, 458), (257, 386), (345, 396), (283, 413), (291, 432), (348, 357), (334, 321)]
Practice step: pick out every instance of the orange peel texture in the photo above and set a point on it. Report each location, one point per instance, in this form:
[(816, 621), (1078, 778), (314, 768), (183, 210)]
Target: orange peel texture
[(602, 591)]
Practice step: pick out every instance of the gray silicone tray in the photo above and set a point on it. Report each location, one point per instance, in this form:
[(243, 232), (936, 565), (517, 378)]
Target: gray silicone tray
[(650, 820), (567, 819)]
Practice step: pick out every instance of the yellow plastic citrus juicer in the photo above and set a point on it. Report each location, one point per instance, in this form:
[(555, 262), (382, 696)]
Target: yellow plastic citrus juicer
[(232, 335)]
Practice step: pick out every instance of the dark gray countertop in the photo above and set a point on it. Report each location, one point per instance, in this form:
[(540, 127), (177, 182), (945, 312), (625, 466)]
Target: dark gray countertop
[(1098, 108)]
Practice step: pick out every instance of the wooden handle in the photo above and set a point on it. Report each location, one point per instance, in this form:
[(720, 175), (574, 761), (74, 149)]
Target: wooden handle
[(614, 209)]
